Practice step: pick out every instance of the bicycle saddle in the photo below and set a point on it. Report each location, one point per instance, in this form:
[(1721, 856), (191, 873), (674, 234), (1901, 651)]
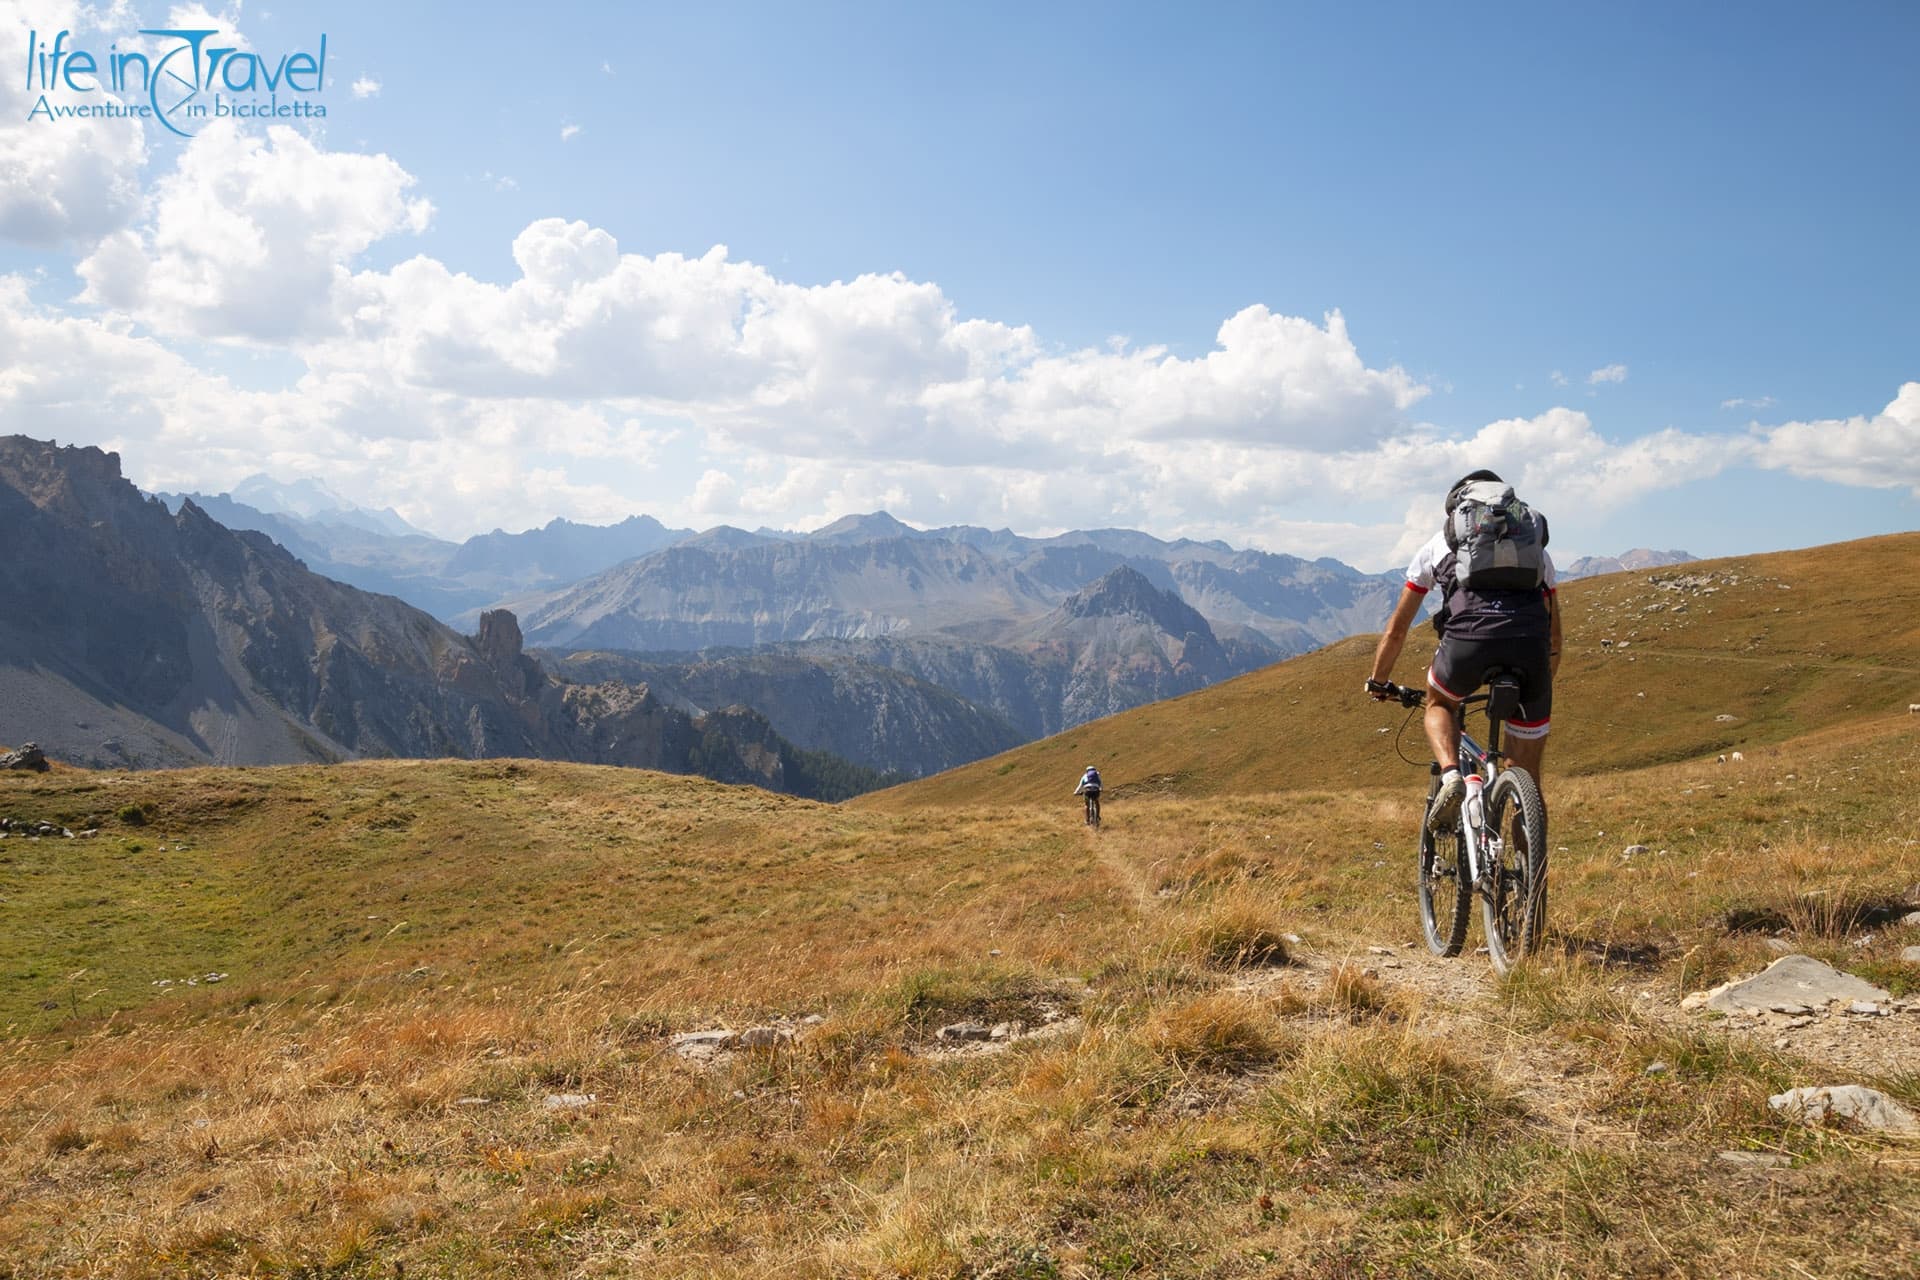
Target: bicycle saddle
[(1503, 694)]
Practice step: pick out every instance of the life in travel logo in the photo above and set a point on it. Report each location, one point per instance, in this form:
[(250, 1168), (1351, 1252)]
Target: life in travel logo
[(181, 78)]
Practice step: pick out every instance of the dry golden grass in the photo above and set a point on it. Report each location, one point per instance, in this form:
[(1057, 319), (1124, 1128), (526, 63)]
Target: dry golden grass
[(306, 1117), (420, 954)]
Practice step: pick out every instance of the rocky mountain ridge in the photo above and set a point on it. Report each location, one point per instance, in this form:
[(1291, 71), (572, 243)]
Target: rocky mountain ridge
[(145, 637)]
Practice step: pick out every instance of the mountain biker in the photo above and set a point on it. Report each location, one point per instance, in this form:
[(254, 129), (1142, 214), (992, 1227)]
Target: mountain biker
[(1090, 788), (1517, 628)]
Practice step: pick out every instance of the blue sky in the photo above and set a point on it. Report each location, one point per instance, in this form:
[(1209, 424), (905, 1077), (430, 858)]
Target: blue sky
[(1670, 246)]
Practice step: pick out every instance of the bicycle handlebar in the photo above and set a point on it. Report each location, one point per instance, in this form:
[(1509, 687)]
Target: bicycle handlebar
[(1388, 691)]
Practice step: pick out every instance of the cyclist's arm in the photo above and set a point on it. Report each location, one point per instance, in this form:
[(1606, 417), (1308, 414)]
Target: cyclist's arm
[(1394, 638)]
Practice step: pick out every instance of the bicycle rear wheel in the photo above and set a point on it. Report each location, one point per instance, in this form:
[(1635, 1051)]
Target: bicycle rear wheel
[(1513, 902), (1445, 895)]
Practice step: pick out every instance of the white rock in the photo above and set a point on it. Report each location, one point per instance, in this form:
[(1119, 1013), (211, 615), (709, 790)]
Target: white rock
[(762, 1037), (1910, 955), (1635, 850), (701, 1045), (1793, 979), (1754, 1159), (568, 1101), (1867, 1107), (474, 1101), (1657, 1068), (1694, 1000)]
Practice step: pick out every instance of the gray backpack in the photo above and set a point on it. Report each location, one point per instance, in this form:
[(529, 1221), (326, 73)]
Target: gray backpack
[(1499, 543)]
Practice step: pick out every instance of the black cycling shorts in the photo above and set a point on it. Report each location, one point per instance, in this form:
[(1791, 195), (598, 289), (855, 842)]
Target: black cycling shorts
[(1460, 666)]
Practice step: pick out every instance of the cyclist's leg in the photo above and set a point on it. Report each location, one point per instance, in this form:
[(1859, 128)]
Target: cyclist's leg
[(1526, 733), (1526, 753), (1455, 673), (1440, 732)]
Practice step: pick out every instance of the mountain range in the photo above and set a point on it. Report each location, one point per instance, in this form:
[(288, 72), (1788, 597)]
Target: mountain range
[(890, 647), (1626, 561), (139, 636)]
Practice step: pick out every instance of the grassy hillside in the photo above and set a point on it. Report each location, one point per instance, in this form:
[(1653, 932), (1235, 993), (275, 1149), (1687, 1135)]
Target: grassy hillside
[(1239, 1067), (1783, 644)]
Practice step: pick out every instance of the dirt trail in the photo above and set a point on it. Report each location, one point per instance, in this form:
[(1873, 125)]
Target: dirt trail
[(1108, 852), (1460, 1002), (1461, 998)]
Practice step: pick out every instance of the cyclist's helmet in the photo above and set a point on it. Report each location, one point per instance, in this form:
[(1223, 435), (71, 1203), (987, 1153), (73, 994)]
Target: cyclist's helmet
[(1453, 494)]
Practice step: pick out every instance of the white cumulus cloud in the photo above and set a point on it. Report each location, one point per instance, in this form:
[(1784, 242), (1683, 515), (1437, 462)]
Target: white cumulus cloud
[(1880, 451), (248, 236), (62, 181), (1607, 373), (366, 87)]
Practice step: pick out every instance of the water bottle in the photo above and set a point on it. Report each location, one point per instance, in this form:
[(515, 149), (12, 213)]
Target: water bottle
[(1475, 808)]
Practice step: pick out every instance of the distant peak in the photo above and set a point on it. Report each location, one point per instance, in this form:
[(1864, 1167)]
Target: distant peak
[(1125, 591), (864, 528)]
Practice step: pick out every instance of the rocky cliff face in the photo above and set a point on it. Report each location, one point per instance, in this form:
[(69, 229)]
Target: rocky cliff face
[(860, 711), (1118, 644), (137, 636), (701, 594), (1124, 642)]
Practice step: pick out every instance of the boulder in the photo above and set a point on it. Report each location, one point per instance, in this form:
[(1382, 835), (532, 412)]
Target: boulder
[(1866, 1107), (1792, 980), (27, 757)]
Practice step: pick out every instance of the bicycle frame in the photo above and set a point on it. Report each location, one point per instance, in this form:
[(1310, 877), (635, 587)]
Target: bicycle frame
[(1483, 760)]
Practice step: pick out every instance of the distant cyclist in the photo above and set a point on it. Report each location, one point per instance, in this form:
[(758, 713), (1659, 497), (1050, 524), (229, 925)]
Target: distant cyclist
[(1498, 609), (1090, 788)]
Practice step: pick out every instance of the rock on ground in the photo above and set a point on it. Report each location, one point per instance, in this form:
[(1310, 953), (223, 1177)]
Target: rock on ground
[(1866, 1107), (1792, 980), (27, 757)]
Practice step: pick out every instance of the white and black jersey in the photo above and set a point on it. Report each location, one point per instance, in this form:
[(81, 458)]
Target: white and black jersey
[(1482, 615)]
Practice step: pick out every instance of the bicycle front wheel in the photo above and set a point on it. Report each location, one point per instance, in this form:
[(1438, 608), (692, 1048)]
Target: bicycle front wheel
[(1513, 898), (1444, 891)]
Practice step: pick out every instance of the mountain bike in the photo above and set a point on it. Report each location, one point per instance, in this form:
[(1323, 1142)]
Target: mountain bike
[(1497, 851), (1093, 807)]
